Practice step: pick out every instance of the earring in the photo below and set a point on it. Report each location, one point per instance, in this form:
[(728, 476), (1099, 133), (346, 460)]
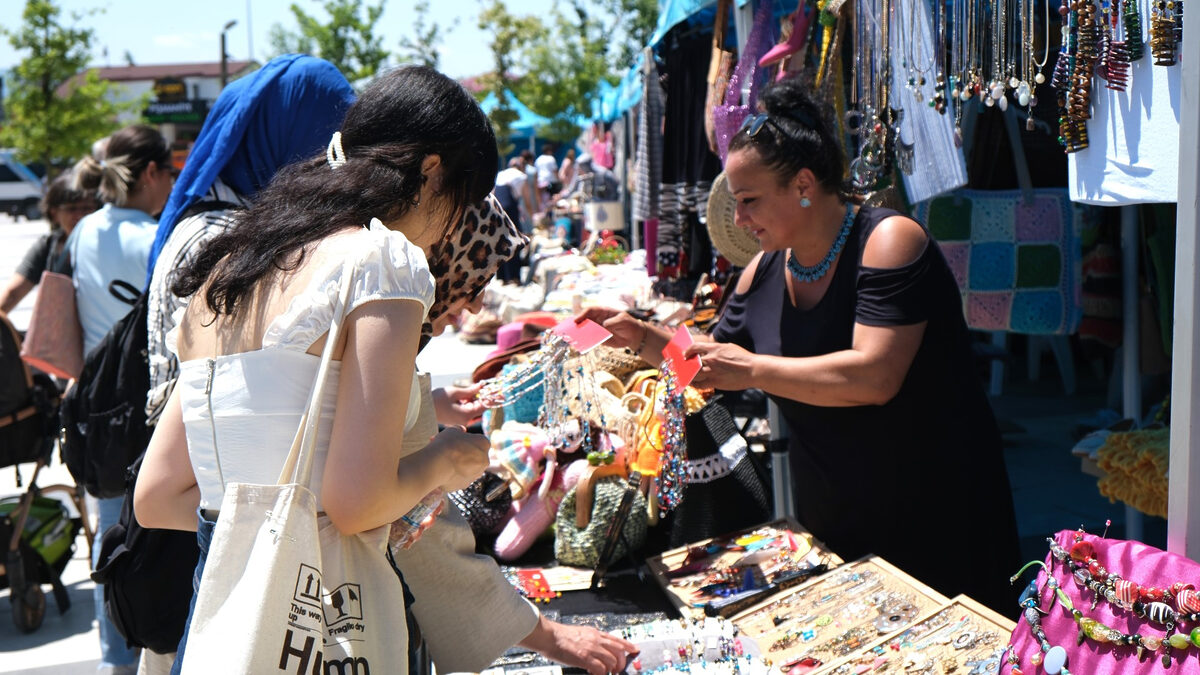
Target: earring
[(805, 202)]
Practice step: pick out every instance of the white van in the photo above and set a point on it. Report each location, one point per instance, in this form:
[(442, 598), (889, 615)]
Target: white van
[(20, 188)]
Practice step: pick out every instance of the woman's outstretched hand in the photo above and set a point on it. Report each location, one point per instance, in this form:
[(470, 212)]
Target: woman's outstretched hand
[(723, 366), (627, 331), (595, 651)]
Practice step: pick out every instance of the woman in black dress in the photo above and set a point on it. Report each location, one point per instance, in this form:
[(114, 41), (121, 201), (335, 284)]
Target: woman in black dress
[(851, 321)]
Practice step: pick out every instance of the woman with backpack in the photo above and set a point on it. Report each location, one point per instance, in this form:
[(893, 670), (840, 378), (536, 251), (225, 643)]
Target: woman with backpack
[(64, 206), (389, 195), (133, 178)]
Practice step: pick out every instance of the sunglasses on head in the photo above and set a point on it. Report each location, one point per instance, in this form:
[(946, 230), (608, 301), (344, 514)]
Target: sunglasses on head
[(755, 123)]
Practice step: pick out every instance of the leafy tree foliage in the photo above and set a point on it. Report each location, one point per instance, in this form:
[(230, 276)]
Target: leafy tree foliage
[(422, 48), (55, 107), (508, 33), (347, 38), (557, 65)]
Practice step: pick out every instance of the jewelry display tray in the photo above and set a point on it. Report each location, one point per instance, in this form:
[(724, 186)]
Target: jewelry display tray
[(962, 637), (680, 596), (820, 623)]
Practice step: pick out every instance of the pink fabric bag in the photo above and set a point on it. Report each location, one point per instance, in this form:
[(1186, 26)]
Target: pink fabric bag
[(54, 340), (728, 117), (1131, 560)]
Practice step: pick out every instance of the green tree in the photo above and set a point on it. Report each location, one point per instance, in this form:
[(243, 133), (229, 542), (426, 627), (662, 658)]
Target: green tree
[(347, 38), (55, 107), (422, 49), (509, 32), (558, 67)]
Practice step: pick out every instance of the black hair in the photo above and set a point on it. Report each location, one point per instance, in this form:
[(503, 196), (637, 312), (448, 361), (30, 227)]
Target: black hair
[(59, 193), (128, 153), (800, 135), (400, 119)]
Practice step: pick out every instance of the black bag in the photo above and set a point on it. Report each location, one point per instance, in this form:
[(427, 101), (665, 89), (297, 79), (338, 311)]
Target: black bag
[(147, 577), (104, 415), (727, 488)]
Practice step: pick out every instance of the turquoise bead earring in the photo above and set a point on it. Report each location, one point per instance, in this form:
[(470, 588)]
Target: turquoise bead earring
[(805, 202)]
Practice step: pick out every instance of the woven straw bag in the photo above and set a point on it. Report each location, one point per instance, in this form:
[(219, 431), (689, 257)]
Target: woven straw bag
[(620, 363)]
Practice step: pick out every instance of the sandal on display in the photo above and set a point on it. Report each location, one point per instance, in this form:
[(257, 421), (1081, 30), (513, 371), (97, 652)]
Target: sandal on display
[(794, 42)]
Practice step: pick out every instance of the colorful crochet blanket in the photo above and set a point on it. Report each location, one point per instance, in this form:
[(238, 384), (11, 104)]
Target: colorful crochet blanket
[(1016, 262)]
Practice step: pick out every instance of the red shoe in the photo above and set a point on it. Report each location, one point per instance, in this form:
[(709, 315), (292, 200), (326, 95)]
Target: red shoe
[(795, 41)]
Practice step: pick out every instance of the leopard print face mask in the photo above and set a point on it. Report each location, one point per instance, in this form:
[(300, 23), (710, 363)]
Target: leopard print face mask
[(470, 256)]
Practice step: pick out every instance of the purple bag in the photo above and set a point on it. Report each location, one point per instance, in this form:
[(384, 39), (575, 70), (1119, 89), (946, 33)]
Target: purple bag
[(729, 116)]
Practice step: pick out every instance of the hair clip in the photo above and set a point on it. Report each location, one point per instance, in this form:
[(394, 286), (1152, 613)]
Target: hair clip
[(334, 154)]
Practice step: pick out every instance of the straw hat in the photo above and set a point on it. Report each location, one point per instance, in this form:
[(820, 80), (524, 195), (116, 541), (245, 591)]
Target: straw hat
[(736, 244)]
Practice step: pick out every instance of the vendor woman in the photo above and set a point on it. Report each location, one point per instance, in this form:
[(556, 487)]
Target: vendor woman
[(851, 321)]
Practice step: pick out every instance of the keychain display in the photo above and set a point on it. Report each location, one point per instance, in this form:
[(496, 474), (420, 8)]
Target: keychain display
[(726, 574)]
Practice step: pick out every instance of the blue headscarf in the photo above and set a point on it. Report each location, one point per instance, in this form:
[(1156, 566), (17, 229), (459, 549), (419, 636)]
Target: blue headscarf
[(284, 112)]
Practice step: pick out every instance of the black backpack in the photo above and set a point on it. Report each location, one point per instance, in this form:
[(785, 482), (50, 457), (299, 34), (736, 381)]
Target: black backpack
[(147, 577), (104, 415)]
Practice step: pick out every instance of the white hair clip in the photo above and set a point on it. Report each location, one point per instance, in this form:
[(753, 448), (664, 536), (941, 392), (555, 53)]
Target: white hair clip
[(334, 154)]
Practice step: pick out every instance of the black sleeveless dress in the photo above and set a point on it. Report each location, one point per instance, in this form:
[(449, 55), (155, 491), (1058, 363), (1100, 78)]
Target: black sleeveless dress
[(919, 480)]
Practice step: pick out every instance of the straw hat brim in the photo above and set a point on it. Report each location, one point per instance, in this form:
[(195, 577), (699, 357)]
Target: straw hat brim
[(735, 243)]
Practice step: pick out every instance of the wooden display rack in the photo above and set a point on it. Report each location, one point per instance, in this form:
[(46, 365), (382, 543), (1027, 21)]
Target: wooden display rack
[(680, 596), (966, 635), (825, 620)]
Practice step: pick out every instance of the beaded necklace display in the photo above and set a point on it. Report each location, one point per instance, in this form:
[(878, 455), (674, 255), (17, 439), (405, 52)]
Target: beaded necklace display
[(808, 274), (1145, 602), (1089, 629)]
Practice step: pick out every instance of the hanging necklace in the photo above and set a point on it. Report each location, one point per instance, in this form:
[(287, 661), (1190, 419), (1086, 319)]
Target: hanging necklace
[(808, 275)]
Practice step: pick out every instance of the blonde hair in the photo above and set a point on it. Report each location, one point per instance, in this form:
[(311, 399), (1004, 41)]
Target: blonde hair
[(126, 155), (112, 178)]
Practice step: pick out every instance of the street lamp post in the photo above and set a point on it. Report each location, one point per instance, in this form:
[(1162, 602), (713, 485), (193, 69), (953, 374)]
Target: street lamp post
[(224, 56)]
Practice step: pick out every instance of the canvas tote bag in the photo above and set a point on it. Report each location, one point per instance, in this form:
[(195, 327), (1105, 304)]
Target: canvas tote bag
[(283, 590), (54, 339)]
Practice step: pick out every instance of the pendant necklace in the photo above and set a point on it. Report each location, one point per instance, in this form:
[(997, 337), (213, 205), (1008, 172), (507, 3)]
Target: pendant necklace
[(808, 274)]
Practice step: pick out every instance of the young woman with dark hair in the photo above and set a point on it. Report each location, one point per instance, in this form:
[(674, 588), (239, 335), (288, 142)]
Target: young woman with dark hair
[(64, 206), (852, 322), (414, 153)]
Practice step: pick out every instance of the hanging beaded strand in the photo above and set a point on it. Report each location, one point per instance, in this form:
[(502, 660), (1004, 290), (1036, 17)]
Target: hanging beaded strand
[(1116, 62), (1163, 40), (673, 467), (1132, 19)]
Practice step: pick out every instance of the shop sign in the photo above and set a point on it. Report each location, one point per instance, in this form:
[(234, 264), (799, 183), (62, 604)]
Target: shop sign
[(183, 112), (170, 90)]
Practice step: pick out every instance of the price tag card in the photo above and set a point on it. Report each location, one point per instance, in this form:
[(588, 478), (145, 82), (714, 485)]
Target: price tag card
[(685, 369), (583, 336)]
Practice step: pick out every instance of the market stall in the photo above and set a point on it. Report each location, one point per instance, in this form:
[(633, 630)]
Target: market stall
[(617, 454)]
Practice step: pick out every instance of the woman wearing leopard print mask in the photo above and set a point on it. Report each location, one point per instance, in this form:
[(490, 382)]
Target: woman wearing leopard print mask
[(412, 156)]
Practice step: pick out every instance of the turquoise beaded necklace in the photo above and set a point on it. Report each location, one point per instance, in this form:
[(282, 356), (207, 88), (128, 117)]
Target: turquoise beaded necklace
[(807, 274)]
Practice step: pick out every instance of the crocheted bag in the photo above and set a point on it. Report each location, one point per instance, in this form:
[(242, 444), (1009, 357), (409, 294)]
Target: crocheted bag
[(581, 546)]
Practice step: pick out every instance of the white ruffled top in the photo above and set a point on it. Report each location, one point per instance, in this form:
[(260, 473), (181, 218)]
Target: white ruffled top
[(258, 397)]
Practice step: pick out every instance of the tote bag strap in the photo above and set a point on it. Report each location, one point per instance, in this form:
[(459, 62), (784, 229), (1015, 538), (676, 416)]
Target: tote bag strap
[(297, 468)]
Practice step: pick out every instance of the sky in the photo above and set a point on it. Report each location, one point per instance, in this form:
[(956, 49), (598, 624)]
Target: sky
[(188, 31)]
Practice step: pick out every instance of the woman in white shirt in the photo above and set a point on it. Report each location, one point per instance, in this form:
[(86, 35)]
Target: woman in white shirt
[(413, 153)]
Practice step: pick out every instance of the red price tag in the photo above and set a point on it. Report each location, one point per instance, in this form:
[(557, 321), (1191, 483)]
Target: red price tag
[(685, 369)]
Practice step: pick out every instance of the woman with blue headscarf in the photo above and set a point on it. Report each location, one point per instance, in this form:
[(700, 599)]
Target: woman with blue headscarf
[(281, 113)]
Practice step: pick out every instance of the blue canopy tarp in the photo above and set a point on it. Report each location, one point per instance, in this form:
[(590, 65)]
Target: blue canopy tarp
[(527, 122)]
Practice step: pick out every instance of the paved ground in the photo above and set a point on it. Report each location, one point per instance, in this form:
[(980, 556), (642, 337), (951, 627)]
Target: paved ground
[(1049, 491)]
